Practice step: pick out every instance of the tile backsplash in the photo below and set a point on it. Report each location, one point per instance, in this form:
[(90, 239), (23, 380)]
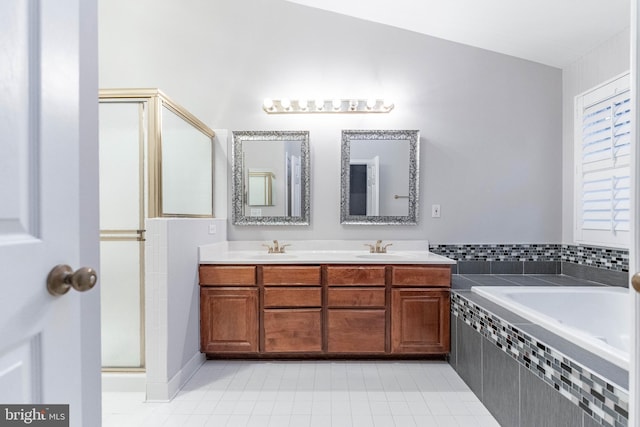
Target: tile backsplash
[(499, 252), (601, 264), (594, 256)]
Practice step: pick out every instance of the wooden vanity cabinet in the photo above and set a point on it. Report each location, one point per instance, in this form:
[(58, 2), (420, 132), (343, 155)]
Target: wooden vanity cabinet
[(324, 310), (228, 309), (420, 305), (292, 309)]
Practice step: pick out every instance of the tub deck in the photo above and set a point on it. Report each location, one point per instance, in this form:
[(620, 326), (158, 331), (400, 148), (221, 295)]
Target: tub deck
[(593, 384), (466, 281), (462, 283)]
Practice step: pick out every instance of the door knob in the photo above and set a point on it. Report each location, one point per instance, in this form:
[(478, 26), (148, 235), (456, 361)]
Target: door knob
[(62, 278), (635, 282)]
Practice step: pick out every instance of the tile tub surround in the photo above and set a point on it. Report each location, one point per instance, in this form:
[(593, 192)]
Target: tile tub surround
[(605, 265), (594, 391)]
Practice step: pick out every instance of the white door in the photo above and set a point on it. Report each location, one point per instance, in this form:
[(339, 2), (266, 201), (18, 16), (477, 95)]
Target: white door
[(295, 186), (373, 183), (49, 345), (373, 187), (634, 246)]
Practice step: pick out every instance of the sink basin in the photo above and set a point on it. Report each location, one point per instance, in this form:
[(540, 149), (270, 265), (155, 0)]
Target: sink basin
[(381, 256), (272, 256)]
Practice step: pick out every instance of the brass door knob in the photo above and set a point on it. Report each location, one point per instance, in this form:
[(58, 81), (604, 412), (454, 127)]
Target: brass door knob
[(62, 278), (635, 282)]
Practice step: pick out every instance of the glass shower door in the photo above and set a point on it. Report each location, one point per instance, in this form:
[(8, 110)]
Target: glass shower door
[(156, 160), (122, 213)]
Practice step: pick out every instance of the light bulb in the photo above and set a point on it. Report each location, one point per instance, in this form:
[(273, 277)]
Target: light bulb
[(353, 104), (319, 104), (267, 104), (388, 104), (286, 104), (371, 103), (302, 104), (336, 104)]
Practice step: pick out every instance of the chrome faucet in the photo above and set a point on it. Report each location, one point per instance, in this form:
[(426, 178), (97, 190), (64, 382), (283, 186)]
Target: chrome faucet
[(277, 248), (378, 248)]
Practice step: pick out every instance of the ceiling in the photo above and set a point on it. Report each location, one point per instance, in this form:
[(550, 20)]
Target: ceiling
[(552, 32)]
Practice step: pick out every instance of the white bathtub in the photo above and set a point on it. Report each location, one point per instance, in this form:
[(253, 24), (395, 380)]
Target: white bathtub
[(595, 318)]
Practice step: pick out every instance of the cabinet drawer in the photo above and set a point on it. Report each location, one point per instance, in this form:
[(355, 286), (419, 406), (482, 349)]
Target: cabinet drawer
[(356, 297), (236, 275), (293, 330), (356, 275), (294, 275), (356, 331), (292, 296), (421, 276)]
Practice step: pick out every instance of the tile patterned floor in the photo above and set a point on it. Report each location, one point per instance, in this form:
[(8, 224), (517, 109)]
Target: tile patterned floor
[(314, 393)]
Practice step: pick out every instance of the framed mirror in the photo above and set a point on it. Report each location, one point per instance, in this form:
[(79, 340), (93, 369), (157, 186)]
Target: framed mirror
[(379, 177), (270, 182)]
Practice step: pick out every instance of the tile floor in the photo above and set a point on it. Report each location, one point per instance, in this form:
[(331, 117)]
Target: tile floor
[(313, 393)]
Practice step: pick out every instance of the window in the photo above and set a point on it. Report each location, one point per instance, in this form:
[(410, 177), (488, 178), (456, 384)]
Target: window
[(602, 159)]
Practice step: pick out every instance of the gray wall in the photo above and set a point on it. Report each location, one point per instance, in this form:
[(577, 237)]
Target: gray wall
[(491, 125)]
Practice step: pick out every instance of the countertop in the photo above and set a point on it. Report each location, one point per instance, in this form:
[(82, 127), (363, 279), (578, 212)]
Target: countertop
[(321, 252)]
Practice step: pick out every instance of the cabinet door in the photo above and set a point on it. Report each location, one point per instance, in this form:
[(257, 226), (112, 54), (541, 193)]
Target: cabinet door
[(292, 330), (228, 320), (420, 321), (356, 331)]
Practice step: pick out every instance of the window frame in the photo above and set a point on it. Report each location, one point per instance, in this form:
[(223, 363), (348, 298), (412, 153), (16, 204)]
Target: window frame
[(599, 94)]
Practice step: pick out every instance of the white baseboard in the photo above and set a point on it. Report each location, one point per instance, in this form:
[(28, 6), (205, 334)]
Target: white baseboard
[(124, 382), (161, 391)]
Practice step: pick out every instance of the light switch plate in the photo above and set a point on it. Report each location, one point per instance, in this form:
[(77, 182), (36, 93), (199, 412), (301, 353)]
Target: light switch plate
[(435, 211)]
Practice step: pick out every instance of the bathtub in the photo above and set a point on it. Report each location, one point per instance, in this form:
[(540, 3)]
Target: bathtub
[(595, 318)]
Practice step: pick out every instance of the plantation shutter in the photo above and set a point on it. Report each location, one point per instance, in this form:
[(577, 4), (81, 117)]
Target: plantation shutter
[(603, 164)]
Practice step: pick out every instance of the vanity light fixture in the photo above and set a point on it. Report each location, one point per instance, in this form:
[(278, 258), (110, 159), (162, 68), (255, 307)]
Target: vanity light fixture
[(350, 105), (267, 104)]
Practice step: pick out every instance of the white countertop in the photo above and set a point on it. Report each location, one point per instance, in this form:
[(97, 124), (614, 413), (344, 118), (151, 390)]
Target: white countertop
[(320, 252)]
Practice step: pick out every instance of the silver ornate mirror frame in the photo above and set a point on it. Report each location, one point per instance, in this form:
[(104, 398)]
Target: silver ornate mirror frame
[(238, 214), (413, 137)]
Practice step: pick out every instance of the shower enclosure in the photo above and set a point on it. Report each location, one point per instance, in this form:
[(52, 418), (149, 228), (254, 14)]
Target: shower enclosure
[(156, 160)]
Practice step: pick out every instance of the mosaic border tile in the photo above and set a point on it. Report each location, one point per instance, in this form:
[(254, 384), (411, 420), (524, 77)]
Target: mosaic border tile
[(606, 258), (605, 402), (594, 256), (499, 252)]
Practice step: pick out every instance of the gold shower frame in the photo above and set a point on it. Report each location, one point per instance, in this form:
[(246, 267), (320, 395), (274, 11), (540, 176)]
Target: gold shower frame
[(152, 156), (156, 99)]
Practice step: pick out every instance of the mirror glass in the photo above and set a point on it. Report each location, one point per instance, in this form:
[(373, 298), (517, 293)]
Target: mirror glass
[(379, 177), (271, 177)]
